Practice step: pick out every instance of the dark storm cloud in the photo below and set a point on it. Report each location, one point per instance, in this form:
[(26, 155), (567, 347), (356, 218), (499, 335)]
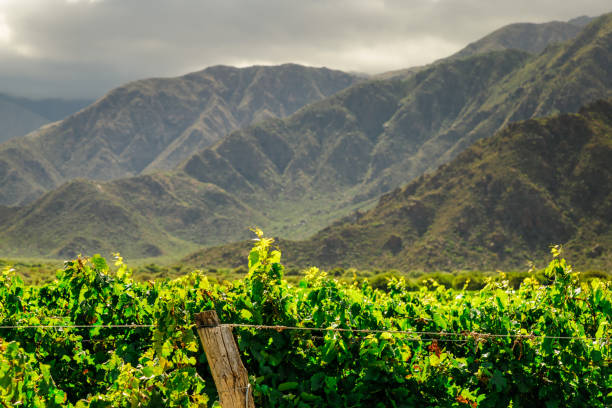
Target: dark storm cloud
[(84, 47)]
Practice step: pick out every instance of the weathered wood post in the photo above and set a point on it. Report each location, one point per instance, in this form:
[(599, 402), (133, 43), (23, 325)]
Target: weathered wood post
[(231, 378)]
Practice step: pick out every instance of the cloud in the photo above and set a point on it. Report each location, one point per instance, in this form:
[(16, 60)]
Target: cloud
[(77, 48)]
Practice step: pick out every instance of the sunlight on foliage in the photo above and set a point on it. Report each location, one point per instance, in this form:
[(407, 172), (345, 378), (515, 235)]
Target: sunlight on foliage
[(164, 365)]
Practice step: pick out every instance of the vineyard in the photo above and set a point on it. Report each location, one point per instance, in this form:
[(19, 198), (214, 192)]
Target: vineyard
[(95, 337)]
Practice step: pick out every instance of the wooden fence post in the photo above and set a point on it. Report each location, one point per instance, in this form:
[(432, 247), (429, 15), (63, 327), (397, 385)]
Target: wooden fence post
[(231, 378)]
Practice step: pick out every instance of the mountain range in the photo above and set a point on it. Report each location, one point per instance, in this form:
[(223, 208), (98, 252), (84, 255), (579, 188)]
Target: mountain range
[(529, 37), (20, 116), (499, 204), (155, 123), (294, 175)]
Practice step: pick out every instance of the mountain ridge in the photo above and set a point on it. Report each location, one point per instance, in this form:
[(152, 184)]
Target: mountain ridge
[(151, 124), (498, 205), (109, 143), (528, 37), (20, 116), (296, 175)]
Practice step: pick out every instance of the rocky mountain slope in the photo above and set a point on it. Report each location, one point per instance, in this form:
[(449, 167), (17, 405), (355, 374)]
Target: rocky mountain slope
[(499, 204), (528, 37), (378, 135), (155, 123)]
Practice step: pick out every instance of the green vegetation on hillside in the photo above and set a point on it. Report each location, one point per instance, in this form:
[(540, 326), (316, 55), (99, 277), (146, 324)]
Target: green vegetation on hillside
[(142, 215), (498, 205), (534, 346)]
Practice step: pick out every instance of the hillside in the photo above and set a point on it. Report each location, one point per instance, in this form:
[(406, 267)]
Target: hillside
[(138, 216), (155, 123), (378, 135), (528, 37), (500, 203), (300, 173), (20, 116)]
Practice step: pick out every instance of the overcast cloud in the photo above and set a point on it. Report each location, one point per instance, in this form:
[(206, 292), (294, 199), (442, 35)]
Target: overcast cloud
[(83, 48)]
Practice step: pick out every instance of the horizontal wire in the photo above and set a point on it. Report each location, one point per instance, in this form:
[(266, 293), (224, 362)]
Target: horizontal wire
[(79, 326), (409, 332), (359, 339), (464, 334)]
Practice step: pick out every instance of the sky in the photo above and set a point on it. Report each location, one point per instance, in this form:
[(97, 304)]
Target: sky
[(84, 48)]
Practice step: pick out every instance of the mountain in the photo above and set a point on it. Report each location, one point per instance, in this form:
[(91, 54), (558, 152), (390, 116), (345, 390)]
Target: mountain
[(581, 21), (499, 204), (378, 135), (52, 109), (20, 116), (155, 123), (139, 216), (351, 147), (294, 176), (527, 37), (17, 120)]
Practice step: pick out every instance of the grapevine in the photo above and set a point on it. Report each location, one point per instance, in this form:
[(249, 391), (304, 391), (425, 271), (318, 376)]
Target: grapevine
[(135, 344)]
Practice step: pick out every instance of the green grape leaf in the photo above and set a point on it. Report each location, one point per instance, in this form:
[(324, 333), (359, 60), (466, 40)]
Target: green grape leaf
[(287, 386)]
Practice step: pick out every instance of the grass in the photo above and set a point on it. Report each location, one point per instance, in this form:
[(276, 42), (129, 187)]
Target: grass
[(310, 215), (33, 271)]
